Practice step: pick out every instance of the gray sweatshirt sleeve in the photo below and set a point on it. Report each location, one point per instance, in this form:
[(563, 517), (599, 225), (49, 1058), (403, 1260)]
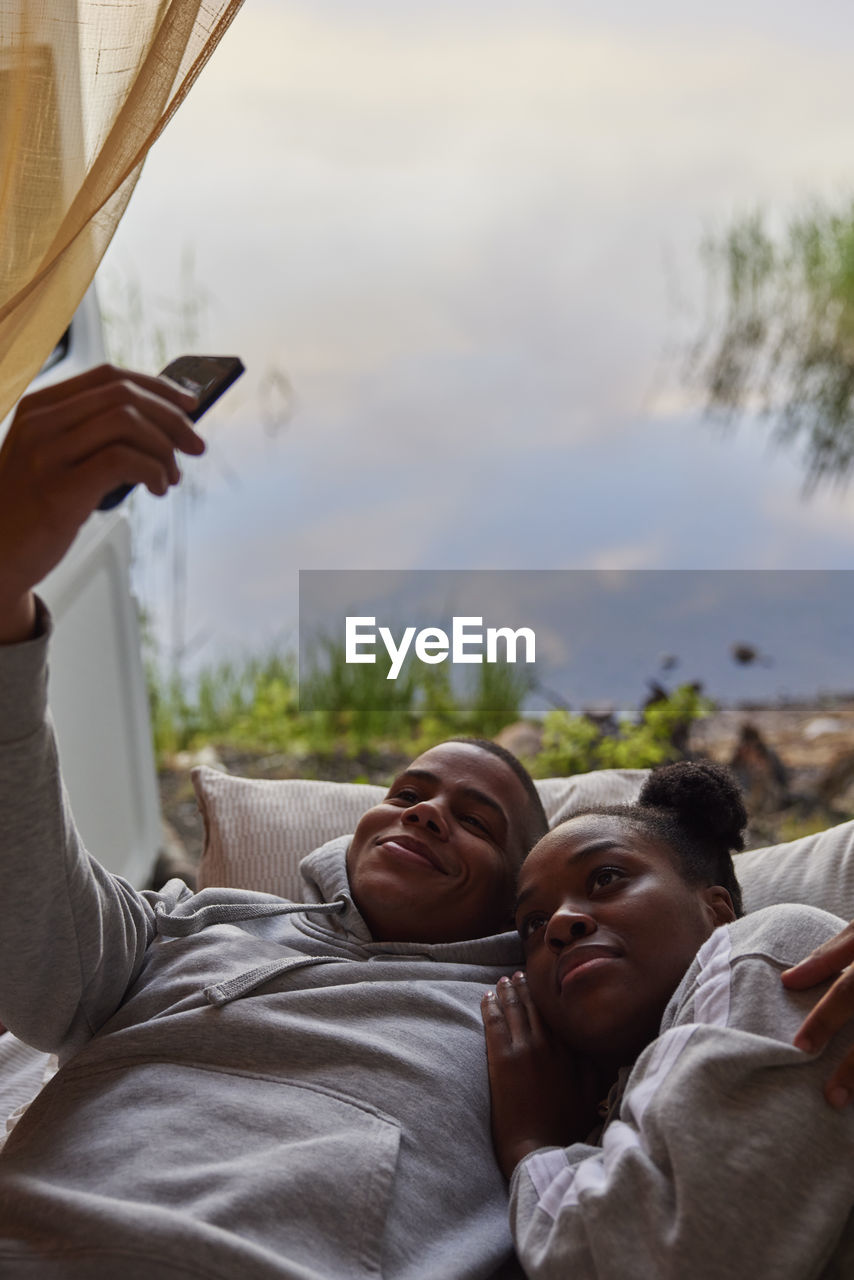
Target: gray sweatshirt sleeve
[(72, 936), (725, 1158)]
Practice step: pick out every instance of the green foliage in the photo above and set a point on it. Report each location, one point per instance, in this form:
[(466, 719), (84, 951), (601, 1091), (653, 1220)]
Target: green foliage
[(255, 705), (779, 338), (358, 705), (574, 744), (569, 745), (252, 706), (499, 692), (796, 826), (679, 709)]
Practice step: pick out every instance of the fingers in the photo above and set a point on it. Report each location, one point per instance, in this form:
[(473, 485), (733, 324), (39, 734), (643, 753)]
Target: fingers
[(103, 376), (825, 962), (120, 400), (127, 428), (130, 425), (68, 446), (119, 465), (523, 992), (507, 1013), (497, 1034), (840, 1087), (515, 1012), (833, 1011)]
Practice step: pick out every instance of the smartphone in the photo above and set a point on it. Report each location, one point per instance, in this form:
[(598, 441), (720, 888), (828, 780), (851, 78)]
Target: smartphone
[(206, 377)]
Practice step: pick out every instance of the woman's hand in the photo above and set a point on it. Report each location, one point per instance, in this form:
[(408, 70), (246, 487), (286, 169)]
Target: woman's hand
[(536, 1100), (833, 1010), (67, 447)]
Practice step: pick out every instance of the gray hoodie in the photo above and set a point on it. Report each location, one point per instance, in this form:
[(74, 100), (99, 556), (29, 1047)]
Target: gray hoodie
[(249, 1089), (721, 1158)]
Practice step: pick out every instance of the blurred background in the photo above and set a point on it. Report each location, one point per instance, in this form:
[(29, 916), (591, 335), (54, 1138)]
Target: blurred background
[(517, 287), (460, 249)]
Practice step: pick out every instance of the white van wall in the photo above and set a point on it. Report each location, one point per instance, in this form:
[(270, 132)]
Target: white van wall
[(97, 685)]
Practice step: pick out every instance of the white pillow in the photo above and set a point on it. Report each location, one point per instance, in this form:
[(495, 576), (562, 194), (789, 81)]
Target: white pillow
[(23, 1071), (256, 832), (817, 870)]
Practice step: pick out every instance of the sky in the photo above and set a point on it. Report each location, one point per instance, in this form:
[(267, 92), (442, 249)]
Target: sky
[(457, 248)]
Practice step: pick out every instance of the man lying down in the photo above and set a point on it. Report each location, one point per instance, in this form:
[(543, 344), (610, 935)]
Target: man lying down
[(249, 1088)]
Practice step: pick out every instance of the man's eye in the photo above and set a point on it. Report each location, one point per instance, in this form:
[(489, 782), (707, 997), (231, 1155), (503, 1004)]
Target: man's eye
[(532, 924), (404, 793), (473, 821)]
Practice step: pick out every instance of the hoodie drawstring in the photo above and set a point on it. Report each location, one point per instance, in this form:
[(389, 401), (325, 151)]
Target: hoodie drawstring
[(220, 993), (175, 926)]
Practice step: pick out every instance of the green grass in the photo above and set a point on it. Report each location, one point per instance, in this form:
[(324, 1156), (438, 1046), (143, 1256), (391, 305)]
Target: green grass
[(254, 706)]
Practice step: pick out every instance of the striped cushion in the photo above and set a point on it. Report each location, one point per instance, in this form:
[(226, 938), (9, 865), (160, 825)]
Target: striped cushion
[(817, 870)]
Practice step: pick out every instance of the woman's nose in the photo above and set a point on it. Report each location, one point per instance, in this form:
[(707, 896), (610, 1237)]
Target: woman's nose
[(567, 925)]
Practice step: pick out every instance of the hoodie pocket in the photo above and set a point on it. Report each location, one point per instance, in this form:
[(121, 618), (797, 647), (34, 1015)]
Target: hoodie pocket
[(221, 1173)]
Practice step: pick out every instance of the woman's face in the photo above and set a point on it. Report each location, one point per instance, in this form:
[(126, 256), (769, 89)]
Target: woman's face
[(609, 927)]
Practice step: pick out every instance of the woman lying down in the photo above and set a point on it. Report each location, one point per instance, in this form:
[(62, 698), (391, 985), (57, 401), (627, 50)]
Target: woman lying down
[(715, 1153)]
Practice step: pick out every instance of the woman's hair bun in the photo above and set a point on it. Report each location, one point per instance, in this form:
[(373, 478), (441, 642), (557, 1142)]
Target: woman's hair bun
[(704, 797)]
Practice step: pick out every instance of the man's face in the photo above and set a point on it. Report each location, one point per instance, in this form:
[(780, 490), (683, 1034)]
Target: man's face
[(435, 862), (609, 927)]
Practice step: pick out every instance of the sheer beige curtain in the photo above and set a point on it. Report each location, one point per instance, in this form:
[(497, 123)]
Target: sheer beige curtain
[(85, 89)]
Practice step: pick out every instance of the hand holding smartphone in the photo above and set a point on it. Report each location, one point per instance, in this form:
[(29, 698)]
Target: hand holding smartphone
[(207, 377)]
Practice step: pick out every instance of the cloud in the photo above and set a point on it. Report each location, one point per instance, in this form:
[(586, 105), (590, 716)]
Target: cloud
[(650, 553), (809, 531), (447, 225), (379, 203)]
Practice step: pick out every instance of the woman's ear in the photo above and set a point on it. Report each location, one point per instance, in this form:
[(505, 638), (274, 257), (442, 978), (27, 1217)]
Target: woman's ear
[(718, 903)]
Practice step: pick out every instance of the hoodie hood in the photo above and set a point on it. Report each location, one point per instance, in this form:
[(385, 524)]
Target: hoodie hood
[(328, 914), (325, 874)]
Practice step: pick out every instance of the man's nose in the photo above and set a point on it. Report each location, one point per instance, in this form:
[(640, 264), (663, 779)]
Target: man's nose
[(429, 814), (567, 925)]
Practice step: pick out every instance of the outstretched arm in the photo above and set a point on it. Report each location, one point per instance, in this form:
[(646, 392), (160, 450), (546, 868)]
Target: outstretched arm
[(72, 936)]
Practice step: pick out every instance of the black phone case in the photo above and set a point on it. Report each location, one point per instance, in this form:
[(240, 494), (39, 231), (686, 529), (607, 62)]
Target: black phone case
[(207, 377)]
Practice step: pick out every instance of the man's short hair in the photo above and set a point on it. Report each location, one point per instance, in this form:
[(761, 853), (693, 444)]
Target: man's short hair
[(535, 824)]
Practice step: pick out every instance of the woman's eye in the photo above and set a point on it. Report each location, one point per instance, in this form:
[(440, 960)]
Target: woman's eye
[(532, 924), (605, 877)]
